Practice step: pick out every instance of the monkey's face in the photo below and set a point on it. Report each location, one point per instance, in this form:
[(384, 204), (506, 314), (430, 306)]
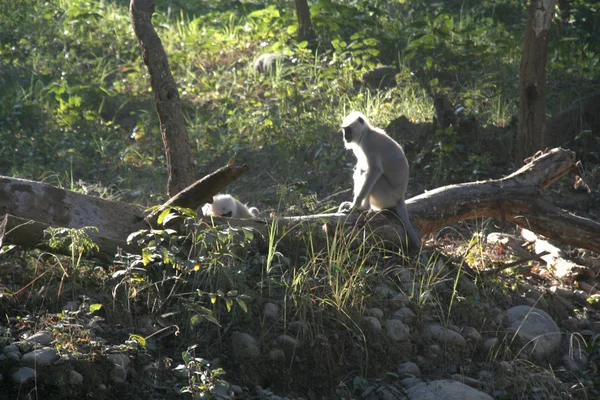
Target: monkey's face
[(354, 127), (347, 132)]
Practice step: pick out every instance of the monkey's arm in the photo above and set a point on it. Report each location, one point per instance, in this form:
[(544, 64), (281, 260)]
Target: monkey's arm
[(372, 175)]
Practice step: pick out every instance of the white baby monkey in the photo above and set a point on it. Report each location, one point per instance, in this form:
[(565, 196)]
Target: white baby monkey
[(225, 205)]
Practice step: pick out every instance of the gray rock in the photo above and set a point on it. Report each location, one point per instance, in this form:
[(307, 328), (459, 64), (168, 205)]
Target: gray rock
[(399, 300), (536, 330), (119, 359), (373, 322), (486, 376), (118, 374), (12, 348), (409, 368), (445, 389), (434, 351), (396, 330), (472, 334), (276, 355), (405, 315), (244, 346), (23, 374), (570, 364), (506, 366), (490, 343), (374, 312), (43, 337), (75, 378), (384, 292), (298, 328), (271, 311), (40, 357), (237, 390), (288, 343), (443, 335), (467, 380)]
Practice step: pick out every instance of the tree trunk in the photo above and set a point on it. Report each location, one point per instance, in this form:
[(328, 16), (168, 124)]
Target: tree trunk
[(532, 80), (180, 161), (305, 29)]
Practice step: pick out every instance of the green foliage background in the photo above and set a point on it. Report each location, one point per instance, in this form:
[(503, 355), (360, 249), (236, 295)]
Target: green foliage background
[(76, 106)]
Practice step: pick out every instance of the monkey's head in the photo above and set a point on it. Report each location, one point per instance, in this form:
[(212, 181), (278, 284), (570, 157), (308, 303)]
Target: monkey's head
[(354, 127)]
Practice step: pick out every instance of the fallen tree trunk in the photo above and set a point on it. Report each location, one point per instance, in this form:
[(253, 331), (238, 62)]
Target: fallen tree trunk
[(516, 198)]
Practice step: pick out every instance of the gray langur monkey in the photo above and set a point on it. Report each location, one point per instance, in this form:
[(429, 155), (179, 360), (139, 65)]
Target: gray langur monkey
[(381, 171), (225, 205)]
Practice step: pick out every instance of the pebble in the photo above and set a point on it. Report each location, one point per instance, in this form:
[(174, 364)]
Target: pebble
[(40, 357), (244, 345), (75, 378), (405, 315), (44, 338), (396, 330), (119, 359), (373, 322), (118, 374), (444, 335), (23, 374), (271, 311), (374, 312), (409, 368)]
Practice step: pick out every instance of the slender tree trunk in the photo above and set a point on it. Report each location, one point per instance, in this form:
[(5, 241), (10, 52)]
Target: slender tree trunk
[(305, 29), (532, 80), (180, 161)]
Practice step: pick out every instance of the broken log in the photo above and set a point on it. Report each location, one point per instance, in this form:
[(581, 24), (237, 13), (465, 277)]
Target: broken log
[(30, 234), (48, 206), (516, 198), (203, 190)]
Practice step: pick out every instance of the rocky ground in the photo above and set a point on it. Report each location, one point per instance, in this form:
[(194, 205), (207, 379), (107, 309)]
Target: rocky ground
[(446, 331)]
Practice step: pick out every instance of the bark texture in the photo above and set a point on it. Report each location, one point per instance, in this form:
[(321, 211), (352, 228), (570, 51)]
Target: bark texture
[(305, 28), (532, 80), (180, 161)]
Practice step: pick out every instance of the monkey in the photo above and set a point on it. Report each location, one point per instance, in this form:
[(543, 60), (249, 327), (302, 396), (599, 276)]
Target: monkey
[(225, 205), (381, 171)]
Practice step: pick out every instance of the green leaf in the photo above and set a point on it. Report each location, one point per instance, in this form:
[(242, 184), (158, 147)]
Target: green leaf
[(95, 307), (228, 303), (137, 338), (212, 319), (242, 304), (163, 215)]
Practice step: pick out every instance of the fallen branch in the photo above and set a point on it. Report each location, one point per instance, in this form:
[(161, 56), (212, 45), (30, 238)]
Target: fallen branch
[(203, 190), (515, 198)]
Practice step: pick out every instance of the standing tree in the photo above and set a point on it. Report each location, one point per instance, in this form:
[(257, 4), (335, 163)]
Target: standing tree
[(180, 162), (532, 80), (305, 29)]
